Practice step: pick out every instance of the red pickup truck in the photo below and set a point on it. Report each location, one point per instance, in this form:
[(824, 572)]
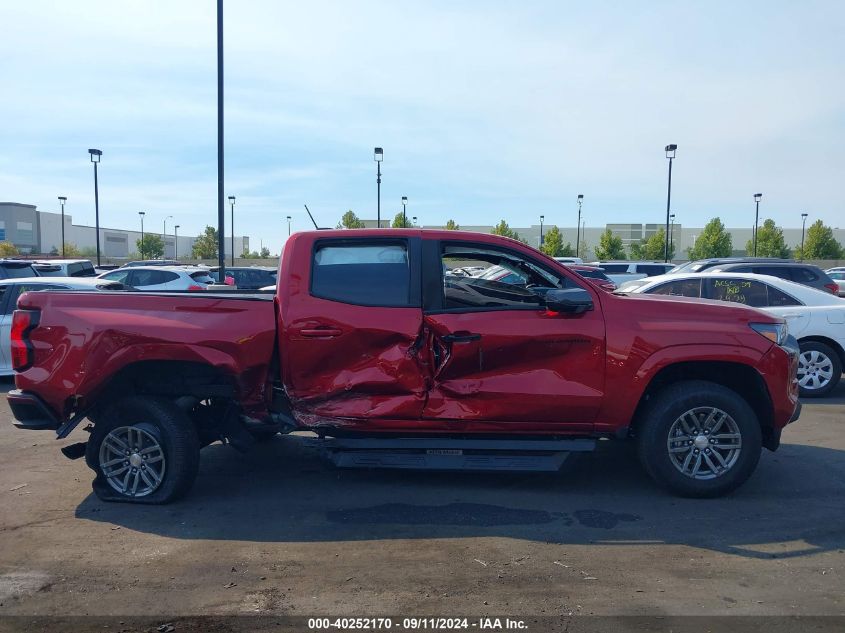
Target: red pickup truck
[(390, 360)]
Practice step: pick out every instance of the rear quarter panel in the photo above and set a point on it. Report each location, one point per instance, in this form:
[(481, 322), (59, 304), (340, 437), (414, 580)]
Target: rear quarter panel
[(83, 339)]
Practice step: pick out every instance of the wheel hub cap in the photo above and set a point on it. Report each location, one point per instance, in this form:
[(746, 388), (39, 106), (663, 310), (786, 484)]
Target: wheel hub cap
[(704, 443), (815, 370), (132, 460)]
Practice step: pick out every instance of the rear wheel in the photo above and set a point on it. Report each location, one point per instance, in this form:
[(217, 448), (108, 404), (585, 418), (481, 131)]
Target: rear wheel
[(144, 450), (819, 369), (699, 439)]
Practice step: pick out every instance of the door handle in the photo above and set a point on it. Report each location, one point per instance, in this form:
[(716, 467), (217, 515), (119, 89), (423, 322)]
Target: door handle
[(321, 332), (462, 337)]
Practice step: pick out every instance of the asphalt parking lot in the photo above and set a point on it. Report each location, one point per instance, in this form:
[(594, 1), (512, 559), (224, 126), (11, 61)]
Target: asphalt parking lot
[(279, 531)]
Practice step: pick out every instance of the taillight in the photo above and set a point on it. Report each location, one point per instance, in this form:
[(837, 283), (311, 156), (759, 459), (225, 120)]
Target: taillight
[(831, 287), (23, 322), (195, 287)]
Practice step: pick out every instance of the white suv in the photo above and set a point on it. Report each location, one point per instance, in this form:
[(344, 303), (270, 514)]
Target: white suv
[(161, 277)]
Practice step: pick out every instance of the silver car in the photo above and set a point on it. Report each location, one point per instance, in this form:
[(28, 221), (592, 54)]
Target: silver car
[(11, 289)]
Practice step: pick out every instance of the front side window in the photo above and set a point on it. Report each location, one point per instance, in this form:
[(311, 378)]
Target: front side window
[(680, 288), (744, 291), (118, 275), (509, 280), (374, 274)]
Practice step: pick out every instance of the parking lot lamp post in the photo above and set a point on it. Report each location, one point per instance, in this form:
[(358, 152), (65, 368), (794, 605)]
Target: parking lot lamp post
[(803, 226), (414, 220), (96, 155), (541, 230), (288, 226), (670, 154), (404, 211), (176, 242), (378, 156), (672, 232), (757, 197), (232, 207), (578, 227), (62, 200), (143, 244)]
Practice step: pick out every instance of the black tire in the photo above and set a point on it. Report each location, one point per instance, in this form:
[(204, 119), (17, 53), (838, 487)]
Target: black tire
[(661, 420), (826, 358), (165, 431)]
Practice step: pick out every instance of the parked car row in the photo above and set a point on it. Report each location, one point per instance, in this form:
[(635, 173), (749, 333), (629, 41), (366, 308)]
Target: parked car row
[(815, 317)]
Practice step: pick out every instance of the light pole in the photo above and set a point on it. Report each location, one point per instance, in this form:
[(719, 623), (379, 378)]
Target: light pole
[(757, 197), (176, 242), (670, 154), (143, 248), (62, 200), (672, 233), (578, 229), (232, 207), (404, 214), (584, 230), (96, 155), (221, 209), (378, 156), (541, 230), (164, 235), (803, 225), (414, 219), (288, 226)]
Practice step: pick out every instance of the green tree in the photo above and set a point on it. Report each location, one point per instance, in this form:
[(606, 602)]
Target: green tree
[(400, 221), (7, 248), (770, 241), (714, 241), (652, 248), (451, 225), (818, 244), (205, 246), (610, 246), (151, 247), (265, 252), (504, 230), (553, 245), (72, 251), (87, 251), (350, 221)]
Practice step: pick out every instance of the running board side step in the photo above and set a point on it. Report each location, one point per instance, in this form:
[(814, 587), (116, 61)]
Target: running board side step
[(452, 454)]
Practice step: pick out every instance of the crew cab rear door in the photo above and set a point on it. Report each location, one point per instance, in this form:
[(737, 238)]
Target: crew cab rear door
[(498, 356), (351, 322)]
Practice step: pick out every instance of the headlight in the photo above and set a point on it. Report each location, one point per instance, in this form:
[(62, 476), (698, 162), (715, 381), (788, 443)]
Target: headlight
[(775, 332)]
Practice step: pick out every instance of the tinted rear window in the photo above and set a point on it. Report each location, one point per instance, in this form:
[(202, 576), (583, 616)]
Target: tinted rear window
[(653, 269), (804, 274), (82, 269), (614, 268), (16, 271), (366, 274), (783, 272)]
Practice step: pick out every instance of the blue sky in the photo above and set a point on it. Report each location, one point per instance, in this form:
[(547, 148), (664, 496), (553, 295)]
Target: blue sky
[(485, 110)]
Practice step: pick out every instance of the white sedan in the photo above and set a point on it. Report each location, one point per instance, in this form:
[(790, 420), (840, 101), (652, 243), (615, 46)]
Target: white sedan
[(815, 318)]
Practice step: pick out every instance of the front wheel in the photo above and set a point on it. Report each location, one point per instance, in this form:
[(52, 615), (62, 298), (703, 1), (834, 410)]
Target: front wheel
[(819, 369), (699, 439), (144, 450)]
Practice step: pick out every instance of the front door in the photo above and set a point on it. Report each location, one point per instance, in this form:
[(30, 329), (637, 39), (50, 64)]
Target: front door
[(499, 358), (351, 332)]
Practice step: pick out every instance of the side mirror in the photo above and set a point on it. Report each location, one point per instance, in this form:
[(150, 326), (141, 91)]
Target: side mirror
[(569, 301)]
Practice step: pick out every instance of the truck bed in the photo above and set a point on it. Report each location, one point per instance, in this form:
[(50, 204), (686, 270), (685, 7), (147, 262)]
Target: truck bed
[(98, 334)]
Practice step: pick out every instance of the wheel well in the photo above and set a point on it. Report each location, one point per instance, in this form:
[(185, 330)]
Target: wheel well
[(742, 379), (168, 378), (829, 342)]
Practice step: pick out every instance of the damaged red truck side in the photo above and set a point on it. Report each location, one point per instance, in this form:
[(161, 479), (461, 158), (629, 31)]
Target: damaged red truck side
[(370, 342)]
